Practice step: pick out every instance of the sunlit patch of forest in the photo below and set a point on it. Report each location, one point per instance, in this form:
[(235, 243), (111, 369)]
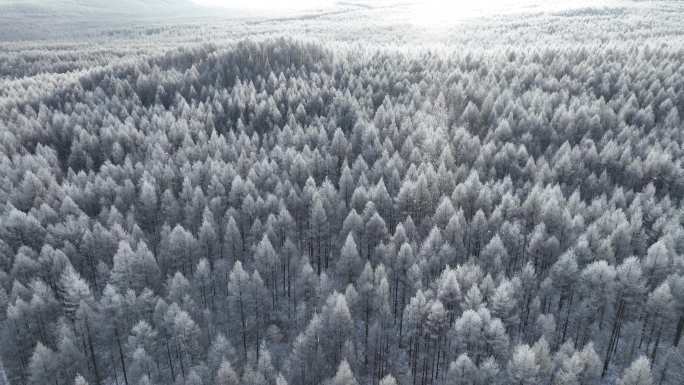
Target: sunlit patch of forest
[(496, 202)]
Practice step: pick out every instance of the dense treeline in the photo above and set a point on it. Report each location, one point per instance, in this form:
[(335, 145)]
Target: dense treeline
[(275, 212)]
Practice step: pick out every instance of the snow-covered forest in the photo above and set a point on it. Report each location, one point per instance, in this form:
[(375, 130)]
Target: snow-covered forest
[(225, 203)]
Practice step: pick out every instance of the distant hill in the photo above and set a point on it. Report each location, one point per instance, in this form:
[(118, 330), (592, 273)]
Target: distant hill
[(56, 19), (96, 7), (45, 19)]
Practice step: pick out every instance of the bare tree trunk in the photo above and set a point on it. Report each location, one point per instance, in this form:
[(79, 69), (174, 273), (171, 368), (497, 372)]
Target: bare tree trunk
[(614, 337), (244, 333), (168, 355), (121, 355), (91, 348), (678, 332)]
